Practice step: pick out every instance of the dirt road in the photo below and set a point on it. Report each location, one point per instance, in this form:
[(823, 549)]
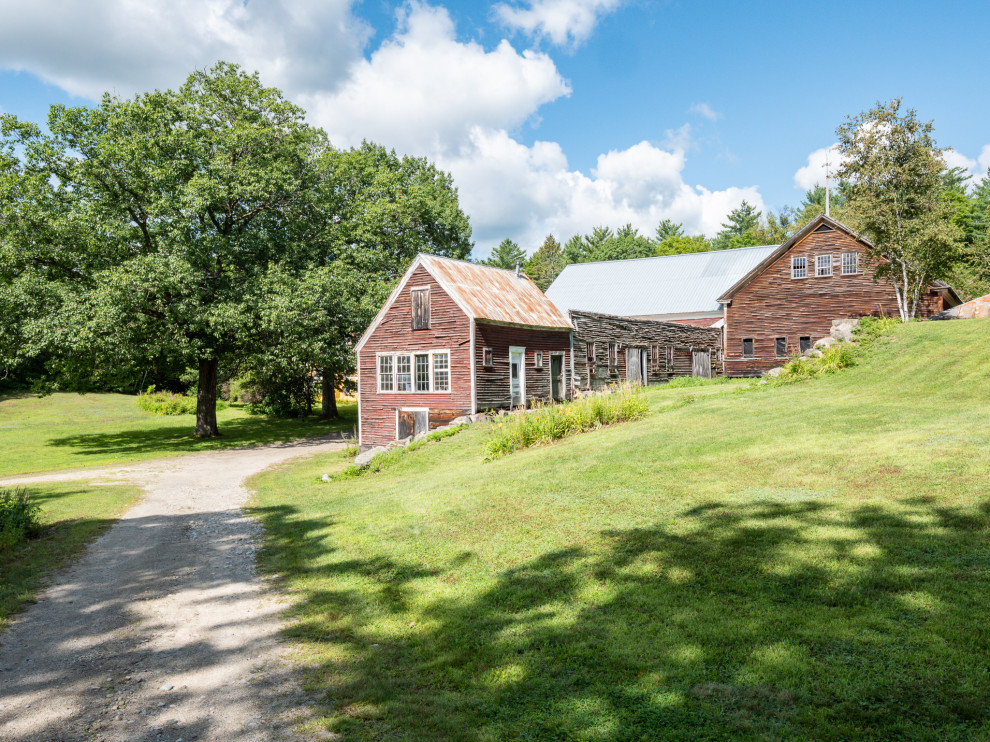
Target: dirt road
[(162, 630)]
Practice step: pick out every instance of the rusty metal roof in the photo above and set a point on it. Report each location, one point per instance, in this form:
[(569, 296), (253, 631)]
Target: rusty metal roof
[(494, 294)]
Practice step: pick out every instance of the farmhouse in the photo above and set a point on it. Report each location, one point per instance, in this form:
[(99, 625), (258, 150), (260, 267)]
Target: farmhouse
[(455, 338), (769, 302)]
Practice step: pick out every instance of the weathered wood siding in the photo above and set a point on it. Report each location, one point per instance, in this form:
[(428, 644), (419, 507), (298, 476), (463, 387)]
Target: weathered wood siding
[(677, 340), (775, 305), (450, 329), (493, 381)]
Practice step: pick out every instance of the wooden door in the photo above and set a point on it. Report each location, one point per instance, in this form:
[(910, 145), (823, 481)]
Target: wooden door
[(556, 377), (701, 363), (517, 377), (634, 366), (407, 424)]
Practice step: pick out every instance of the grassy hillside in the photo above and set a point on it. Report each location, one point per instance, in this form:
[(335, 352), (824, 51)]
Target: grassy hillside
[(64, 431), (803, 562)]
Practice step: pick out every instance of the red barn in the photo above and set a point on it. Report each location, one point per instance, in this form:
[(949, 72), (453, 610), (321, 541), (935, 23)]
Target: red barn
[(453, 339), (788, 301)]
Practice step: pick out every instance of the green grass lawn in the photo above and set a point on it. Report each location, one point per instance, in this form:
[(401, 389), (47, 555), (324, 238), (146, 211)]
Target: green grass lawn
[(73, 515), (801, 562), (64, 431)]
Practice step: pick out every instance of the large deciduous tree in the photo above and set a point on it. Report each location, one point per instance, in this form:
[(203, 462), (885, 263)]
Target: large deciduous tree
[(894, 170)]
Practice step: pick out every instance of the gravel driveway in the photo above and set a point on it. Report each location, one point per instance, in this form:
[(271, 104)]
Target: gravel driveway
[(162, 630)]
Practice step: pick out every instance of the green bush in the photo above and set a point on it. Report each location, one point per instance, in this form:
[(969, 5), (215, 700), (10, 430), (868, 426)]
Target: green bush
[(170, 403), (547, 423), (19, 517)]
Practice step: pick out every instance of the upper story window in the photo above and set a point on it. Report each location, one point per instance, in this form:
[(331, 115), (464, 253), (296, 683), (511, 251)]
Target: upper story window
[(747, 349), (421, 308), (850, 263), (823, 265), (799, 267)]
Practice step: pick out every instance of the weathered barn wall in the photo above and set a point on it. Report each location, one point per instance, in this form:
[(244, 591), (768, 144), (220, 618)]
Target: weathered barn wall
[(493, 381), (775, 305), (450, 329), (675, 341)]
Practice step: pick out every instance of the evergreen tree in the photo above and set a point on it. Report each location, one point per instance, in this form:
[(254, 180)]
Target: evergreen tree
[(546, 264), (668, 229), (737, 231), (507, 255)]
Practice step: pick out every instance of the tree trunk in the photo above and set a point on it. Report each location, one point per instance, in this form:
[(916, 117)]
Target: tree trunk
[(329, 397), (206, 399)]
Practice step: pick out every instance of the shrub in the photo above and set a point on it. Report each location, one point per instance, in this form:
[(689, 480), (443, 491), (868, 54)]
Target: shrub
[(169, 403), (547, 423), (18, 517)]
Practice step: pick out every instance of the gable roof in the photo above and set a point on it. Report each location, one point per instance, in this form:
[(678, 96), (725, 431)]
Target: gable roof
[(815, 224), (673, 284), (482, 293)]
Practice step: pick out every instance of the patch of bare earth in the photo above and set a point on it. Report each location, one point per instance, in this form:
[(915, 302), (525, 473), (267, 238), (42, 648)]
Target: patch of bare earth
[(163, 630)]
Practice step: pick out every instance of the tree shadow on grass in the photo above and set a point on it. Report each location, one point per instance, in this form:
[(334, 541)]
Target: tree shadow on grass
[(756, 621), (248, 431)]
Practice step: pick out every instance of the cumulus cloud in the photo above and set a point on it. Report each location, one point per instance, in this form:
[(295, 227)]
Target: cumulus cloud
[(813, 173), (984, 160), (512, 190), (130, 45), (423, 90), (705, 110), (977, 168), (561, 21)]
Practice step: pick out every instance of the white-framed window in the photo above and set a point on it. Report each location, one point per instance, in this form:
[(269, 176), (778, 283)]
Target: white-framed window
[(403, 373), (428, 371), (487, 357), (386, 377), (850, 263), (823, 265), (538, 359), (799, 267), (441, 372), (422, 372)]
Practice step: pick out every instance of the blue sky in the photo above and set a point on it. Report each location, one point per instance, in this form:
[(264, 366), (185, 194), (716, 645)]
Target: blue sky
[(552, 115)]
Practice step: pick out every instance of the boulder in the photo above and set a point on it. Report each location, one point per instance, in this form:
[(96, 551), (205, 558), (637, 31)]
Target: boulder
[(843, 329), (462, 420), (478, 417), (364, 458), (773, 373), (825, 342)]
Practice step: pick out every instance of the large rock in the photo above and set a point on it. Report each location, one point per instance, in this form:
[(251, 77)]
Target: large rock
[(773, 373), (478, 417), (364, 458), (844, 329)]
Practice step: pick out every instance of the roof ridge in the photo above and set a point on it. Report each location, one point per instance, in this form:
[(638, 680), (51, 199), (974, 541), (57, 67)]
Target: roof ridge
[(676, 255), (467, 262)]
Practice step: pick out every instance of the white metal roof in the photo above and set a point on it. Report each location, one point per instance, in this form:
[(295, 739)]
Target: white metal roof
[(672, 284)]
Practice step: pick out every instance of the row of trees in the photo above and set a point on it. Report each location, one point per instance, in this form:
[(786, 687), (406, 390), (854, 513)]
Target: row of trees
[(208, 228), (927, 221)]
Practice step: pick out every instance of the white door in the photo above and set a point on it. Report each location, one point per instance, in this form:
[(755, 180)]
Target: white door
[(517, 376)]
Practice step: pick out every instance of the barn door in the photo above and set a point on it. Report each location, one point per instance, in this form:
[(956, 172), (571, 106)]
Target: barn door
[(701, 363), (634, 365), (557, 377), (517, 376)]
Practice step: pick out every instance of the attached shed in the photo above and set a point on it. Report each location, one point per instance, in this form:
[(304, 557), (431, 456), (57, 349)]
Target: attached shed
[(456, 338), (608, 349)]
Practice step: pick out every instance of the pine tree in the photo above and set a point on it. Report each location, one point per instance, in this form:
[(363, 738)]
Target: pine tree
[(507, 255), (547, 263)]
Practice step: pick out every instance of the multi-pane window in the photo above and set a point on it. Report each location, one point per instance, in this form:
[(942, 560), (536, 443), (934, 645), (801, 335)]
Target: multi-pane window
[(403, 373), (747, 349), (487, 358), (850, 263), (538, 359), (823, 265), (422, 373), (799, 267), (421, 308), (805, 343), (613, 354), (386, 379), (781, 345), (441, 372)]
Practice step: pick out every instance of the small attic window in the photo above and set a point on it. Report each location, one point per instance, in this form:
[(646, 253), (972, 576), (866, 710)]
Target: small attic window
[(824, 228)]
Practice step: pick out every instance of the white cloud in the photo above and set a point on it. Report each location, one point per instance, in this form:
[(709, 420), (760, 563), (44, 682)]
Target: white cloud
[(422, 91), (561, 21), (977, 168), (984, 160), (131, 45), (522, 192), (813, 173), (703, 109)]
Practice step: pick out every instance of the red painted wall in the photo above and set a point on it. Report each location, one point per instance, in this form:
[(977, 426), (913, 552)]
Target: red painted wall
[(450, 329), (493, 382)]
